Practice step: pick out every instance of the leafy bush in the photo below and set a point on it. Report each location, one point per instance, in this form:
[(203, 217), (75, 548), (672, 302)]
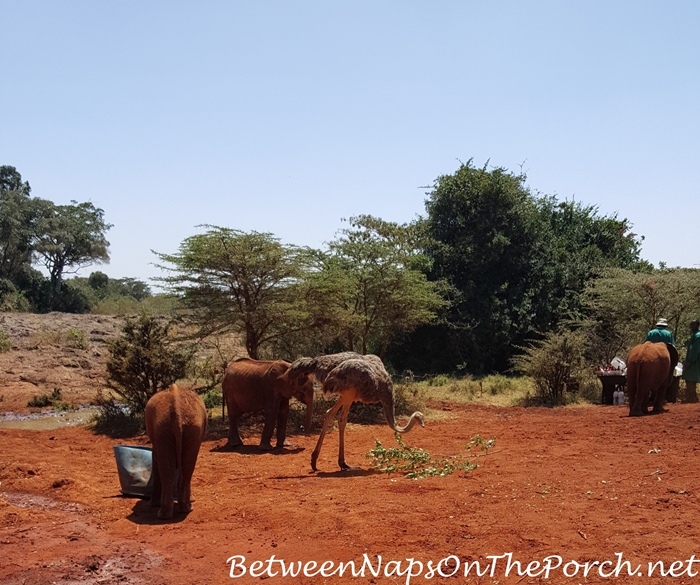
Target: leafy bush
[(144, 360), (213, 398), (11, 299), (416, 463), (439, 380), (115, 419), (550, 362), (49, 400)]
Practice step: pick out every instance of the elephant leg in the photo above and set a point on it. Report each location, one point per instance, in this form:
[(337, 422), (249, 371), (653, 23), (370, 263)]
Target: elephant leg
[(342, 422), (330, 414), (234, 437), (167, 466), (309, 415), (190, 451), (272, 407), (634, 393), (282, 417), (660, 398), (155, 484)]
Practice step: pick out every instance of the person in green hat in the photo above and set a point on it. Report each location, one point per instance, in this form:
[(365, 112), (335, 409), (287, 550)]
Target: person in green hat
[(691, 364), (661, 333)]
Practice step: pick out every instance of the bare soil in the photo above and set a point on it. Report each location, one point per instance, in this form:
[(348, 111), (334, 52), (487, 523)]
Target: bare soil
[(580, 482), (44, 357)]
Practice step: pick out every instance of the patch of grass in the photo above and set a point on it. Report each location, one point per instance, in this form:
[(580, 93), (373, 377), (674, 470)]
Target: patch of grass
[(495, 390), (76, 338), (439, 380), (5, 343), (69, 338), (416, 463)]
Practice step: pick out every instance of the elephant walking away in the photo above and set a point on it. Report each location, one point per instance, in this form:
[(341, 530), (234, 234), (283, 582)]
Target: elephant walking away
[(176, 420), (649, 373)]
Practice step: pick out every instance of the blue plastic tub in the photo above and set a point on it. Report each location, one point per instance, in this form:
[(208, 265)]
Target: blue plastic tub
[(134, 465)]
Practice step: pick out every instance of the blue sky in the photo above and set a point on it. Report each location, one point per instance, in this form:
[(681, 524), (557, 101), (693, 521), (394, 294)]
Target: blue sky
[(285, 117)]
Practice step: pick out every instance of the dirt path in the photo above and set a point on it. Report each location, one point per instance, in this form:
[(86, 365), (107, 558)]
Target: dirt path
[(582, 483)]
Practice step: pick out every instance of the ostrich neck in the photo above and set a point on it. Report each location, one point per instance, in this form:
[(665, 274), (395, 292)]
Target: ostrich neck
[(416, 417)]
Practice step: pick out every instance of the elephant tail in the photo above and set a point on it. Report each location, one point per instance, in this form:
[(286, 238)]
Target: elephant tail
[(176, 421)]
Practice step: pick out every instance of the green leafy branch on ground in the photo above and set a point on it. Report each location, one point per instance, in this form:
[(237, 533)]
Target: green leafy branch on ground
[(416, 463)]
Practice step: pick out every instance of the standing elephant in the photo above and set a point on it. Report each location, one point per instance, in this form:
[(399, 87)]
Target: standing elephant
[(252, 385), (649, 370), (176, 420)]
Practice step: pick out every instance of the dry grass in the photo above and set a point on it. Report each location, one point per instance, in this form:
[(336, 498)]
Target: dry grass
[(74, 338), (496, 390)]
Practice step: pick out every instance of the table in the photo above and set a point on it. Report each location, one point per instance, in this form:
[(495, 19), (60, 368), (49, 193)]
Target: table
[(611, 382)]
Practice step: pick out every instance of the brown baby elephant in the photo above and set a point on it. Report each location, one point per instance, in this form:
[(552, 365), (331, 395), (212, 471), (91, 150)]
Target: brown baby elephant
[(649, 373), (176, 420)]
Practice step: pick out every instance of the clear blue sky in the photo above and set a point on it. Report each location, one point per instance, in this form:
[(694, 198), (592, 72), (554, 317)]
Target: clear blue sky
[(284, 117)]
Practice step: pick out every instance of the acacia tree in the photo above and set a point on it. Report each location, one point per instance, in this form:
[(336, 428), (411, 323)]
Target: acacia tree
[(374, 286), (233, 281), (70, 237), (623, 305)]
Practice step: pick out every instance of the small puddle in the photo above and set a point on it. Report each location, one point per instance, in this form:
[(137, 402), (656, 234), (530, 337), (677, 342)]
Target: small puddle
[(31, 500), (47, 421)]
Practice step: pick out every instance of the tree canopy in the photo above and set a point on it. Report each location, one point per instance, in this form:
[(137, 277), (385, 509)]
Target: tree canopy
[(230, 280), (374, 285), (70, 237), (519, 264)]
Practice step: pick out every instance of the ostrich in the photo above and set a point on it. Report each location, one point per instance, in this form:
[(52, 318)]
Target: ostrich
[(355, 378)]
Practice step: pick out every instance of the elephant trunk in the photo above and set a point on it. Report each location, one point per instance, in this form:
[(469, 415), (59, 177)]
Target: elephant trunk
[(416, 417)]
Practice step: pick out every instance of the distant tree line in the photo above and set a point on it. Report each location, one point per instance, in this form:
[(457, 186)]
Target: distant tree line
[(489, 270), (62, 239)]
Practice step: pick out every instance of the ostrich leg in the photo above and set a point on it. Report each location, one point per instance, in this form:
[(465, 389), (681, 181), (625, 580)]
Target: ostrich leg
[(341, 439), (330, 415)]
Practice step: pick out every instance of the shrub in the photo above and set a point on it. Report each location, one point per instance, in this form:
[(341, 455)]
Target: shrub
[(53, 399), (439, 380), (213, 398), (144, 360), (115, 419), (76, 338), (550, 362)]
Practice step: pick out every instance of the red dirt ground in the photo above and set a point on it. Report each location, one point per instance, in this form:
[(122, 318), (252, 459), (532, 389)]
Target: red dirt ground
[(580, 482)]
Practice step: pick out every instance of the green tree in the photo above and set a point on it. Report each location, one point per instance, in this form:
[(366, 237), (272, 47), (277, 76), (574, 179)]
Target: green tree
[(17, 214), (233, 281), (519, 264), (485, 239), (144, 360), (374, 288), (70, 237), (582, 246)]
